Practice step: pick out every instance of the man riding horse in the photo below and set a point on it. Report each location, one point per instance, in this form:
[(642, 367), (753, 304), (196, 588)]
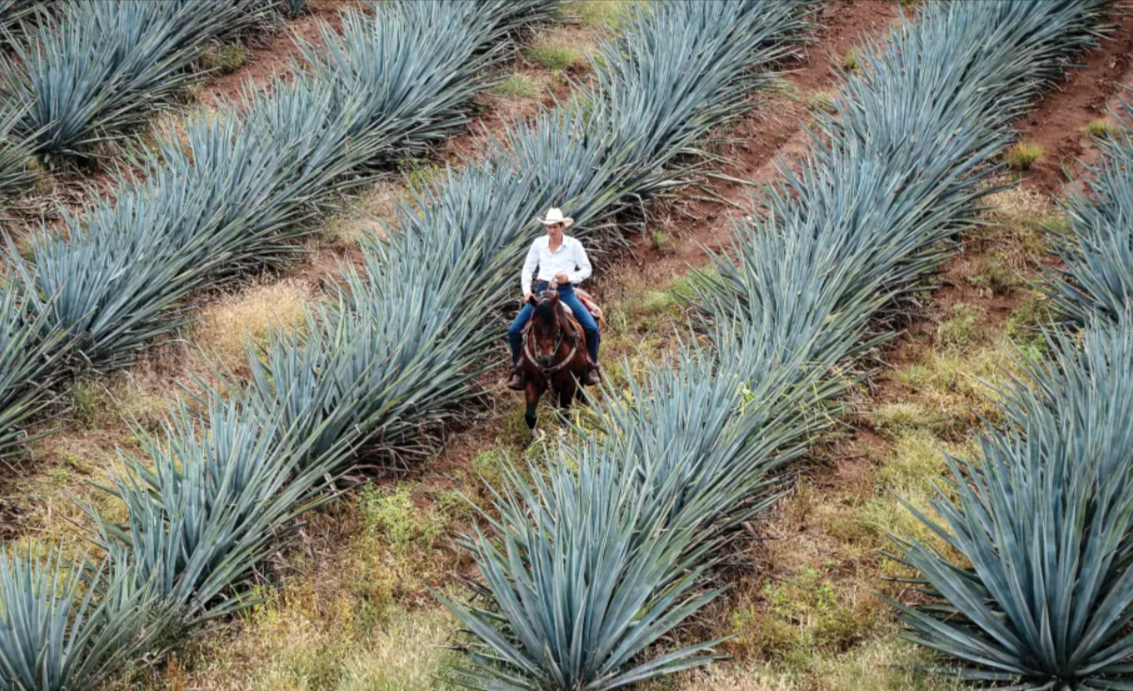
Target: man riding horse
[(562, 264)]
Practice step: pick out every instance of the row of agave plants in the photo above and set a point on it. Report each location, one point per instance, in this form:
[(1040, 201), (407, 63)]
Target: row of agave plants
[(592, 558), (1036, 588), (394, 352), (237, 188), (86, 71)]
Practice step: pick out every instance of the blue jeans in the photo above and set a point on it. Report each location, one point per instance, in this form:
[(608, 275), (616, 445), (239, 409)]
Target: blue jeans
[(567, 296)]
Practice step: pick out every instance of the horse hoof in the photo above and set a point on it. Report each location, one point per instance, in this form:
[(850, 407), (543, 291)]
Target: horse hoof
[(537, 434)]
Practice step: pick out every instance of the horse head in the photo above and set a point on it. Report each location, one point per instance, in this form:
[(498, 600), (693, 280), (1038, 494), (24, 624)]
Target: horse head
[(548, 325)]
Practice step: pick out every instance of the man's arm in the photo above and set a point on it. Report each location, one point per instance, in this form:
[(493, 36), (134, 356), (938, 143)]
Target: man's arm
[(529, 266), (583, 263)]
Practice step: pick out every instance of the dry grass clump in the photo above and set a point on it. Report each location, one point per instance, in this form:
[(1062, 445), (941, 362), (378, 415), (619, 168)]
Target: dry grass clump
[(1024, 155), (228, 327), (1100, 129), (519, 86), (370, 214), (884, 664)]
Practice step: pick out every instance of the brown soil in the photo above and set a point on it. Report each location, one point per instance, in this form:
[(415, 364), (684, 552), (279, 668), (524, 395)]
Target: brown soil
[(772, 131), (1057, 122), (271, 58)]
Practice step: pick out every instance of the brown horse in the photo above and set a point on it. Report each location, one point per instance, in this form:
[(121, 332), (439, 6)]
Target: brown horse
[(554, 356)]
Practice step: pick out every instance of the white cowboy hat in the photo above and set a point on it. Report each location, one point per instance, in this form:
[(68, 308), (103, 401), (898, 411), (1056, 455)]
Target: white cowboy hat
[(556, 216)]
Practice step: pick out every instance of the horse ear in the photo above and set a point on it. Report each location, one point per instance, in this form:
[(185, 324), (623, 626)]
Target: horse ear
[(555, 298), (532, 301)]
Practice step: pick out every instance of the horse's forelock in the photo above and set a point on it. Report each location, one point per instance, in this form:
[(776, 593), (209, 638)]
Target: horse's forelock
[(545, 308)]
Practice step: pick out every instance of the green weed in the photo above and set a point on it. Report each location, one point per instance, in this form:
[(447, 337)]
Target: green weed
[(394, 515), (553, 56), (961, 328), (1100, 129), (1024, 155), (805, 615), (517, 86), (603, 14), (226, 59)]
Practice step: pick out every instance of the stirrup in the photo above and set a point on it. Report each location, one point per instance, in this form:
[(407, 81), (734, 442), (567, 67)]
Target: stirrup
[(516, 383)]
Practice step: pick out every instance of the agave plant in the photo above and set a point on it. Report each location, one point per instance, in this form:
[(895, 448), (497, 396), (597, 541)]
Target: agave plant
[(237, 190), (69, 625), (1097, 250), (13, 14), (95, 69), (295, 8), (29, 353), (15, 156), (220, 489), (1042, 592)]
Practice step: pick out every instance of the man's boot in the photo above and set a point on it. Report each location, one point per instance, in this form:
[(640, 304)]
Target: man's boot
[(516, 382), (593, 375)]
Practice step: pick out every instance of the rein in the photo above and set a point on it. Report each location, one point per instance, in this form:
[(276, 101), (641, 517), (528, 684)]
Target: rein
[(548, 371)]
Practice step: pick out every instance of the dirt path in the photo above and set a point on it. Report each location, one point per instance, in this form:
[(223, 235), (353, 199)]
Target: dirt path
[(1058, 121), (773, 130), (268, 58)]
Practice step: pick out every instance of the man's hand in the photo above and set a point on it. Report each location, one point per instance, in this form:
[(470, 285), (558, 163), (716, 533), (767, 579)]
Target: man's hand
[(563, 279), (527, 298)]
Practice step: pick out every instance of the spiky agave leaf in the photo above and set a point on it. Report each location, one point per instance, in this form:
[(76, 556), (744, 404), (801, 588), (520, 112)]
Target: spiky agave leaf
[(94, 69), (1097, 250), (1041, 592), (220, 489), (29, 353), (15, 16), (15, 156), (574, 580), (69, 625)]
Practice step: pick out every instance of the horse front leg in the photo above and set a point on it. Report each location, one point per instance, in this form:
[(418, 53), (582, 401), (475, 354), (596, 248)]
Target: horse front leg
[(567, 391), (532, 391)]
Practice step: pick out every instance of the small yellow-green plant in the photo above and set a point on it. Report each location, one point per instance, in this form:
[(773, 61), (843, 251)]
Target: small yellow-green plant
[(553, 56), (1100, 129), (226, 59), (1024, 155), (517, 86)]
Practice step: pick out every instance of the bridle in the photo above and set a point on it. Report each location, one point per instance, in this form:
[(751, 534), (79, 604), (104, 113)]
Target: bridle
[(548, 371)]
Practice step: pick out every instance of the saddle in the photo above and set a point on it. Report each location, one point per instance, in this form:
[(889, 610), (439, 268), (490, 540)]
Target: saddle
[(590, 305)]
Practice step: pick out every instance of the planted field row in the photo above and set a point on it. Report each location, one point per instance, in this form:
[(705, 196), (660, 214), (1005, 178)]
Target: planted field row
[(600, 555), (235, 190), (1036, 589), (394, 353), (89, 70)]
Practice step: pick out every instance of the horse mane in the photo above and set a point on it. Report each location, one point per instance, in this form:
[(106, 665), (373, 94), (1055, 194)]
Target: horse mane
[(547, 313)]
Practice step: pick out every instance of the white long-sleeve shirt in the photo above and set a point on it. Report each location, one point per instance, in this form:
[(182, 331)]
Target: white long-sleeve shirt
[(569, 259)]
